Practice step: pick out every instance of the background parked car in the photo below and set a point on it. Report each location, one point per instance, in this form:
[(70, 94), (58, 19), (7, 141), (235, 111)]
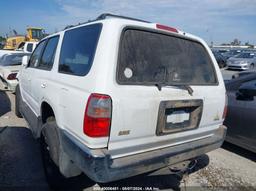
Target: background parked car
[(231, 53), (241, 120), (222, 51), (220, 59), (10, 65), (27, 47), (24, 47), (243, 61)]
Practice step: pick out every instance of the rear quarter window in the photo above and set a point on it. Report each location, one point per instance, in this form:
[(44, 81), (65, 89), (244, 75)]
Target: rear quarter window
[(78, 49), (149, 57)]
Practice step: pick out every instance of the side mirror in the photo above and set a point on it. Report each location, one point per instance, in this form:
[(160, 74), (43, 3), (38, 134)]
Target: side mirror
[(247, 91), (25, 60)]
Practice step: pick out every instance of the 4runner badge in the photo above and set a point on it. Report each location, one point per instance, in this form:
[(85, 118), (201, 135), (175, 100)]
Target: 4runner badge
[(216, 118), (127, 132)]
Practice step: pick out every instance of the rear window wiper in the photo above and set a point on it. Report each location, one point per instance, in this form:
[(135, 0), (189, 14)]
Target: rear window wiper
[(159, 86), (186, 87), (163, 83)]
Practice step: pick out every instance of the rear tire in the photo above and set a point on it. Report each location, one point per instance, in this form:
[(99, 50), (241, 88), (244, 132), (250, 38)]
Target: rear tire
[(53, 175), (17, 103)]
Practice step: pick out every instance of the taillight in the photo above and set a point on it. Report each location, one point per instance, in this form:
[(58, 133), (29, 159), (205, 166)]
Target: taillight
[(97, 117), (163, 27), (12, 76), (225, 108)]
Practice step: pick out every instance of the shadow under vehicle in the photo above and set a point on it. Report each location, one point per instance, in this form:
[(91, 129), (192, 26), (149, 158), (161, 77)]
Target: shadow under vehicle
[(21, 168)]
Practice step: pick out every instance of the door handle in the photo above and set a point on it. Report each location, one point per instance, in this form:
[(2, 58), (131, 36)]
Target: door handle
[(43, 85)]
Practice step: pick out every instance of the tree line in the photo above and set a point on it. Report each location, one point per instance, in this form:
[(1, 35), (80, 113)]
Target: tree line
[(2, 41), (237, 42)]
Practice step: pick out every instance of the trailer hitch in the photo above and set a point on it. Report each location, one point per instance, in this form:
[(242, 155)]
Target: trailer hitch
[(183, 169)]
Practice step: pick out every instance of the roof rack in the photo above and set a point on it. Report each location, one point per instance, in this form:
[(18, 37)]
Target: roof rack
[(104, 16)]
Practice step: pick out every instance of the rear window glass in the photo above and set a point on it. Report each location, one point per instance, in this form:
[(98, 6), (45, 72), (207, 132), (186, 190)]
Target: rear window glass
[(78, 49), (12, 60), (149, 58)]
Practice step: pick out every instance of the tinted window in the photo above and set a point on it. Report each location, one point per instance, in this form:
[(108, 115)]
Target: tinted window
[(49, 53), (30, 47), (78, 49), (151, 58), (37, 34), (34, 60)]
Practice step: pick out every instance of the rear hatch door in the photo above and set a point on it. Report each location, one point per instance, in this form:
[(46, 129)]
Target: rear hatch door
[(166, 92)]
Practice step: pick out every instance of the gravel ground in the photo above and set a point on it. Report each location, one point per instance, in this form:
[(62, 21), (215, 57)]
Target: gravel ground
[(227, 168)]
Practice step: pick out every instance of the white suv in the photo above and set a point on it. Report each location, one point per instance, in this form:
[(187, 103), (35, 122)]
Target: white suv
[(117, 97)]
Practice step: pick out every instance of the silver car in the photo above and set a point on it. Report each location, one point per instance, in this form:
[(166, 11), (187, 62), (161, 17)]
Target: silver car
[(10, 65), (242, 61)]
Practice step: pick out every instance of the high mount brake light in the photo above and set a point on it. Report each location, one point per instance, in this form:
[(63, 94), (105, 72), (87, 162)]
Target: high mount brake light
[(166, 28), (97, 117)]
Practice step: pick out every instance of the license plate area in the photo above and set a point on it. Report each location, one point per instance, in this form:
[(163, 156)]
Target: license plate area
[(178, 115)]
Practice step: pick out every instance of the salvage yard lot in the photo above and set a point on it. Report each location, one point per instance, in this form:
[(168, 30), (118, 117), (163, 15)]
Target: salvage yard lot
[(228, 168)]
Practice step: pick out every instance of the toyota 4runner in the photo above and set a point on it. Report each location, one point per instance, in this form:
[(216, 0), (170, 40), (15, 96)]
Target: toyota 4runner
[(116, 97)]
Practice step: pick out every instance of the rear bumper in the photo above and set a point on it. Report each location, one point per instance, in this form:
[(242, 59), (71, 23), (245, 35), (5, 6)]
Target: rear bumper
[(98, 165)]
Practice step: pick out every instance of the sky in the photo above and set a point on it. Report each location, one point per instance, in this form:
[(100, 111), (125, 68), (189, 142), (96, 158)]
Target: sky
[(219, 21)]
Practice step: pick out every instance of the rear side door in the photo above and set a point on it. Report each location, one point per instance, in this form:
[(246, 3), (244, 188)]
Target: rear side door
[(42, 73), (73, 81), (241, 118), (249, 119), (27, 73)]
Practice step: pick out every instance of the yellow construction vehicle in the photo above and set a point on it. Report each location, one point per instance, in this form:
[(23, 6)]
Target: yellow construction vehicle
[(13, 42), (33, 34)]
